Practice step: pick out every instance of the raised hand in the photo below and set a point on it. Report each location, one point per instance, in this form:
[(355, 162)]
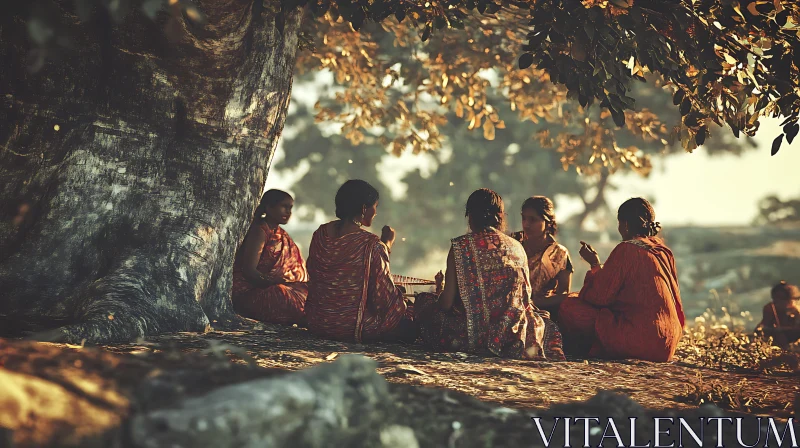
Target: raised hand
[(388, 235), (590, 255), (439, 278)]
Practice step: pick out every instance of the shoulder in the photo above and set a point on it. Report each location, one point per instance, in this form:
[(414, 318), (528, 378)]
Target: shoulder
[(324, 229), (258, 231), (511, 241), (635, 245), (461, 240), (369, 236), (559, 249)]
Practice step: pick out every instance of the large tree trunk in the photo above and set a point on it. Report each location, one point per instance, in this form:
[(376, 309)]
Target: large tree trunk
[(124, 221)]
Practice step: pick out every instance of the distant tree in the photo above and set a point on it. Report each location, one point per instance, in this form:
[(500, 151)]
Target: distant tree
[(773, 210)]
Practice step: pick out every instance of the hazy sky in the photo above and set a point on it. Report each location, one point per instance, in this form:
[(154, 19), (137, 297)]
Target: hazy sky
[(686, 188), (720, 190)]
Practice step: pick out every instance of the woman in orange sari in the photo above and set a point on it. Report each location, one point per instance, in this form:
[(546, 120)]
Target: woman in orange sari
[(485, 306), (352, 296), (548, 262), (269, 274), (630, 307)]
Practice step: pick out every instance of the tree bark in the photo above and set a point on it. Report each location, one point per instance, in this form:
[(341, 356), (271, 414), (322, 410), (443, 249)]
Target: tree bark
[(130, 170), (595, 204)]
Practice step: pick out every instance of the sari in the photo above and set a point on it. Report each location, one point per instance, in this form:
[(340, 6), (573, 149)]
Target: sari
[(631, 306), (351, 294), (545, 265), (494, 315), (282, 303)]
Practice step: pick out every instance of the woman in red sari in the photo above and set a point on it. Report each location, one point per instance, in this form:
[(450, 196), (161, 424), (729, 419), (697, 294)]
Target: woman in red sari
[(352, 296), (630, 307), (548, 262), (269, 274), (485, 306)]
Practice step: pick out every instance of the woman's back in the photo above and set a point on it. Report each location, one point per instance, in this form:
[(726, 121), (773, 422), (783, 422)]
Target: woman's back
[(350, 292), (494, 289), (641, 313)]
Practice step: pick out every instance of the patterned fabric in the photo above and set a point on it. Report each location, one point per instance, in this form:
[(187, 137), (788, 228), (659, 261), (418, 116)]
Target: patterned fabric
[(280, 303), (631, 306), (495, 315), (545, 265), (351, 295)]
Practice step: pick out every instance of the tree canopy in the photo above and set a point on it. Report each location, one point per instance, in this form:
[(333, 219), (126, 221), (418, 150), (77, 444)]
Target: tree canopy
[(726, 62), (729, 62)]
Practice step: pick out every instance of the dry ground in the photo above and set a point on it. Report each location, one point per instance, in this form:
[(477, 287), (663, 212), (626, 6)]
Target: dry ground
[(76, 392)]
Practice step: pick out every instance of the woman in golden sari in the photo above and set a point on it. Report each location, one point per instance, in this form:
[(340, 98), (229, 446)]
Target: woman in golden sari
[(548, 262), (352, 296), (485, 305), (269, 274)]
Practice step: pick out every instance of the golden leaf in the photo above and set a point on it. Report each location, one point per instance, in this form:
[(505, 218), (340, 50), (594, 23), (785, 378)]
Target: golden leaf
[(459, 109), (488, 130), (500, 124)]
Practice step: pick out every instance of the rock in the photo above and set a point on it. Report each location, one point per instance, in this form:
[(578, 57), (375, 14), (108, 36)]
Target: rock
[(343, 403), (37, 412)]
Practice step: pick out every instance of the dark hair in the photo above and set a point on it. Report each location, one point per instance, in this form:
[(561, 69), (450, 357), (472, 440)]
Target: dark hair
[(270, 198), (639, 216), (485, 209), (785, 291), (352, 197), (545, 208)]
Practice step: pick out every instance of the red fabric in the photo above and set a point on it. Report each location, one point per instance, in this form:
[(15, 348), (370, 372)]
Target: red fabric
[(351, 295), (494, 314), (280, 303), (630, 307)]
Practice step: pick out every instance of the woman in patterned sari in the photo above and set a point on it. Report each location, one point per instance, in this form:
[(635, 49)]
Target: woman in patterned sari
[(630, 307), (352, 296), (269, 274), (548, 262), (485, 306)]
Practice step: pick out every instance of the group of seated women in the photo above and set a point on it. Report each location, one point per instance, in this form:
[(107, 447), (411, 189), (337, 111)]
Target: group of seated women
[(501, 295)]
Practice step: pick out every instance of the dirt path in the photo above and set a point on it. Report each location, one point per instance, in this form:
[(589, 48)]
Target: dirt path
[(521, 385), (68, 396)]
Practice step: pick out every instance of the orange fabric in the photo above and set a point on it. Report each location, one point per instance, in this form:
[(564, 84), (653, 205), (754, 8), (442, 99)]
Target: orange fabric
[(631, 306), (280, 303), (352, 296)]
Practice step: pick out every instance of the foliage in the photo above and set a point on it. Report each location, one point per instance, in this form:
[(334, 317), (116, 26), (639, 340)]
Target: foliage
[(723, 395), (773, 210), (420, 86), (720, 341), (729, 62)]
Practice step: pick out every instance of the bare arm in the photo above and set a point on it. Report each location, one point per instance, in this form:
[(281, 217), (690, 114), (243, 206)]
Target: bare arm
[(251, 254), (450, 293), (563, 282)]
